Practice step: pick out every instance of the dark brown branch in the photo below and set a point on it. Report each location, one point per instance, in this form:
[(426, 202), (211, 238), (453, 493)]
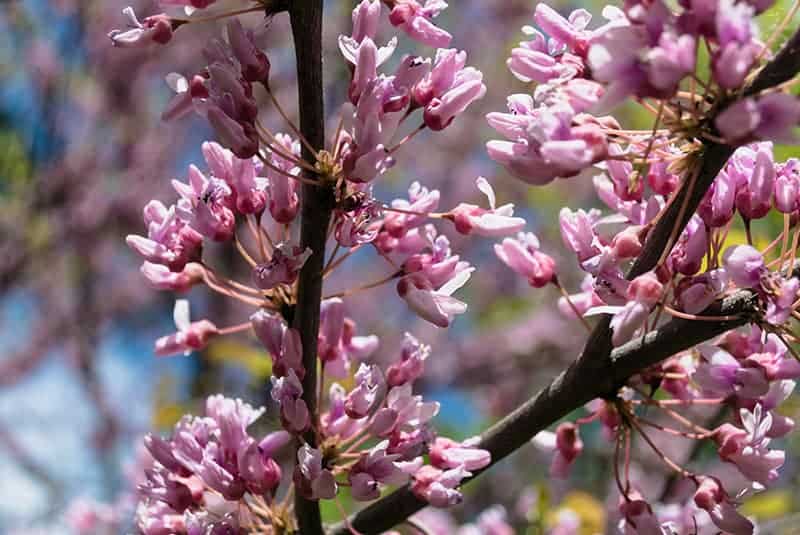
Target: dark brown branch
[(306, 20), (599, 371)]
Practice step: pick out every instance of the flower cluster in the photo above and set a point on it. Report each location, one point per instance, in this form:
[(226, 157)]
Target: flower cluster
[(211, 474), (649, 51), (200, 474), (369, 430)]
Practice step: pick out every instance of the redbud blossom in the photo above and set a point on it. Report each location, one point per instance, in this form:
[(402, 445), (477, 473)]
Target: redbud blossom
[(191, 336), (495, 222), (373, 468), (748, 448), (524, 257), (282, 343), (366, 17), (439, 487), (254, 63), (284, 202), (745, 265), (568, 446), (754, 197), (287, 391), (154, 29), (447, 454), (415, 19), (448, 88), (787, 186), (644, 291), (411, 364), (312, 480), (170, 240), (711, 497), (282, 268), (368, 393), (434, 305), (197, 4), (638, 516), (206, 204), (161, 278)]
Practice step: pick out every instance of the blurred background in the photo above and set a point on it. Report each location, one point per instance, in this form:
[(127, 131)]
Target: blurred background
[(82, 149)]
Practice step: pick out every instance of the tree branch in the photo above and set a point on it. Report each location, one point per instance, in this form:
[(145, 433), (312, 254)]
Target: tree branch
[(600, 370), (306, 20)]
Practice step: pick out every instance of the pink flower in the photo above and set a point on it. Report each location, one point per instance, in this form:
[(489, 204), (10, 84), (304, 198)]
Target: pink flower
[(568, 445), (748, 448), (583, 301), (524, 257), (643, 292), (439, 487), (694, 294), (437, 306), (372, 469), (471, 219), (161, 278), (711, 497), (687, 255), (368, 393), (287, 391), (421, 201), (411, 365), (744, 265), (313, 481), (787, 186), (638, 516), (448, 89), (191, 336), (170, 240), (205, 202), (284, 202), (240, 175), (577, 231), (155, 29), (448, 454), (718, 205), (545, 141), (366, 17), (366, 57), (337, 343), (781, 300), (403, 412), (754, 197), (254, 63), (282, 343), (570, 33), (415, 19), (283, 268), (358, 226), (721, 374)]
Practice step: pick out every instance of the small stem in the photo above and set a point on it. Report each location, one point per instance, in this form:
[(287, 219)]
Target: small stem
[(236, 328), (273, 145), (255, 224), (571, 304), (219, 16), (366, 286), (677, 226), (669, 462), (294, 128), (243, 252), (280, 171), (407, 138)]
